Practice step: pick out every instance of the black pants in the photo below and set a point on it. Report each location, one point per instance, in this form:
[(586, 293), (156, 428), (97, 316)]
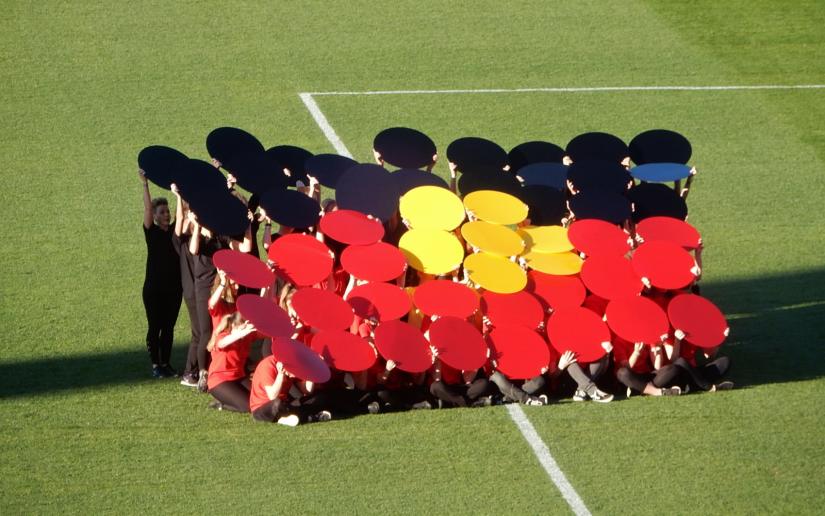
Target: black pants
[(666, 376), (401, 399), (270, 412), (586, 380), (162, 307), (234, 396), (704, 377), (514, 393), (461, 395), (202, 294), (192, 355)]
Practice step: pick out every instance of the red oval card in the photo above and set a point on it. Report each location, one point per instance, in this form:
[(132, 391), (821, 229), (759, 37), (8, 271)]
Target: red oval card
[(459, 343), (667, 265), (344, 351), (351, 227), (383, 301), (597, 237), (405, 345), (702, 321), (611, 277), (446, 298), (243, 269), (322, 309), (579, 330), (520, 353), (301, 259), (519, 308), (668, 228), (637, 319), (299, 360), (375, 262), (556, 291), (265, 314)]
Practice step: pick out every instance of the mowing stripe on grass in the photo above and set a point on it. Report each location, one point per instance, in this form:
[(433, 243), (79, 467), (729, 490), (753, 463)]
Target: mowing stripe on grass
[(307, 97), (540, 450), (323, 123), (542, 453)]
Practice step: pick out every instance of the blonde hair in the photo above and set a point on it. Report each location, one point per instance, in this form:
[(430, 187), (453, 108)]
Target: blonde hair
[(229, 292), (229, 320)]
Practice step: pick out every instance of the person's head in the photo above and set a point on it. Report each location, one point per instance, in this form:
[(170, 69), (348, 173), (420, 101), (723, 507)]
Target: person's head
[(160, 211), (329, 205)]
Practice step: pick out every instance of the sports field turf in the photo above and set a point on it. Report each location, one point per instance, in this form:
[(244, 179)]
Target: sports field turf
[(83, 427)]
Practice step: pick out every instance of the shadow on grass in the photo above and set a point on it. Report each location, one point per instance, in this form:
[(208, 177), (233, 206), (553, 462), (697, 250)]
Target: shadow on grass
[(777, 335)]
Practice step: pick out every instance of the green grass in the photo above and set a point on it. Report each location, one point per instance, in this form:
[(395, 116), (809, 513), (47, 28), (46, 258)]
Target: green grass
[(87, 85)]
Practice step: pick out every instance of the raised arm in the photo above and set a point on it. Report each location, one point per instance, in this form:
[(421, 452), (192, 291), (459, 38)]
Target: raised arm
[(148, 219), (216, 296), (179, 219), (236, 335), (195, 241)]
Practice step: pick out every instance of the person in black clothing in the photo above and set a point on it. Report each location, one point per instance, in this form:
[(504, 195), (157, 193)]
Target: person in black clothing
[(181, 237), (162, 285)]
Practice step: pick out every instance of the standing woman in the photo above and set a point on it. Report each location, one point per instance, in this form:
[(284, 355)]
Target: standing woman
[(203, 245), (183, 232), (162, 286)]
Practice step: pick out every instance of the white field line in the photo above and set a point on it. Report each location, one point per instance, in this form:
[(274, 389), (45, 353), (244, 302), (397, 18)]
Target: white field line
[(541, 451), (323, 123), (586, 89)]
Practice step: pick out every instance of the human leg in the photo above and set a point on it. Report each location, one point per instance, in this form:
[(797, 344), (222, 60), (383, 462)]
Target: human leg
[(232, 395)]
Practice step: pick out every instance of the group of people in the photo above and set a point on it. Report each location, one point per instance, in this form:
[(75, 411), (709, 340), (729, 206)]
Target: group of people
[(233, 361)]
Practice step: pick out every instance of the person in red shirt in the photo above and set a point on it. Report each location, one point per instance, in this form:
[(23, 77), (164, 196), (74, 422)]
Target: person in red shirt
[(229, 346), (708, 377), (268, 396), (643, 369), (455, 388), (222, 300)]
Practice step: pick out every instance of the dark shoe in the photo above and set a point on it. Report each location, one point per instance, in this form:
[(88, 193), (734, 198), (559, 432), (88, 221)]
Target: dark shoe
[(157, 372), (167, 371), (722, 386), (484, 401), (215, 405)]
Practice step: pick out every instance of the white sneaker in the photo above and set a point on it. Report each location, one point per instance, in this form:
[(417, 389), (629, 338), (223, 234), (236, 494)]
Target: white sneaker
[(290, 420), (324, 415), (672, 391), (600, 396), (579, 395), (373, 407)]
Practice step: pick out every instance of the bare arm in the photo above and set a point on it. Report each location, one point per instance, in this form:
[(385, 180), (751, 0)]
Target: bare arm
[(178, 211), (216, 295), (275, 388), (246, 245), (195, 241), (236, 335), (148, 220)]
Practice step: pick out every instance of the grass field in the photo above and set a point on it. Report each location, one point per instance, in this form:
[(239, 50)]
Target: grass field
[(83, 428)]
